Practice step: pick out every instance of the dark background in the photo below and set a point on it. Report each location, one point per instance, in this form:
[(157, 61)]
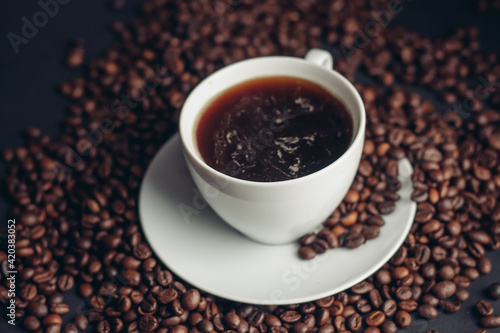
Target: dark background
[(29, 79)]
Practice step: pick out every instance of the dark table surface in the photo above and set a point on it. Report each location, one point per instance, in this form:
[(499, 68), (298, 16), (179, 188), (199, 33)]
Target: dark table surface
[(29, 79)]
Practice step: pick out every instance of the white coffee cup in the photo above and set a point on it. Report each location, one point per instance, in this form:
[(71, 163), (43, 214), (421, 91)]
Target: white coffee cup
[(282, 211)]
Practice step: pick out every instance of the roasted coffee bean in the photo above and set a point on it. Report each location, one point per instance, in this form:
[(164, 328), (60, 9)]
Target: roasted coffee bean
[(484, 308), (479, 236), (422, 253), (70, 328), (97, 303), (388, 327), (181, 289), (354, 240), (38, 309), (383, 276), (275, 329), (352, 299), (375, 298), (363, 306), (400, 256), (29, 219), (424, 213), (124, 303), (81, 322), (232, 320), (136, 297), (244, 311), (403, 319), (59, 308), (375, 318), (148, 323), (462, 294), (430, 299), (325, 302), (244, 327), (320, 246), (218, 322), (428, 270), (65, 282), (142, 251), (52, 319), (164, 278), (175, 320), (86, 290), (354, 322), (103, 327), (408, 305), (446, 272), (484, 265), (28, 292), (404, 293), (307, 239), (130, 316), (322, 318), (419, 195), (205, 326), (336, 309), (179, 329), (290, 317), (307, 308), (191, 299), (326, 328), (444, 289), (493, 290), (132, 277), (339, 323), (375, 220), (306, 252), (362, 288), (43, 276), (149, 305), (330, 237), (389, 307), (427, 311), (55, 297), (131, 263), (299, 328), (490, 321), (257, 317), (471, 273), (461, 281), (75, 53), (371, 232), (167, 295), (31, 323), (53, 328)]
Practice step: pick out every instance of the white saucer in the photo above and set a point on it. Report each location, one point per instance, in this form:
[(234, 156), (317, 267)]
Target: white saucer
[(207, 253)]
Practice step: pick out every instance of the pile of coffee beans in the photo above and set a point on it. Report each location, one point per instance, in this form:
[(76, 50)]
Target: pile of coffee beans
[(372, 194), (75, 197)]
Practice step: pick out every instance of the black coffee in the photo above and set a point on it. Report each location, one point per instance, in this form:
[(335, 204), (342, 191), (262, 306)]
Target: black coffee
[(273, 129)]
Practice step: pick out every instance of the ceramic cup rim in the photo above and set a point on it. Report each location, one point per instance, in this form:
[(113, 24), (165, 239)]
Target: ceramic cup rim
[(188, 138)]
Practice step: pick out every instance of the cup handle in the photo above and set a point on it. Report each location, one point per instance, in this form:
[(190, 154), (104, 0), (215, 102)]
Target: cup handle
[(320, 57)]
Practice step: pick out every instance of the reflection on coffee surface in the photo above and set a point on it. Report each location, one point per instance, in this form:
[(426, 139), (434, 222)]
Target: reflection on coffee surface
[(273, 129)]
